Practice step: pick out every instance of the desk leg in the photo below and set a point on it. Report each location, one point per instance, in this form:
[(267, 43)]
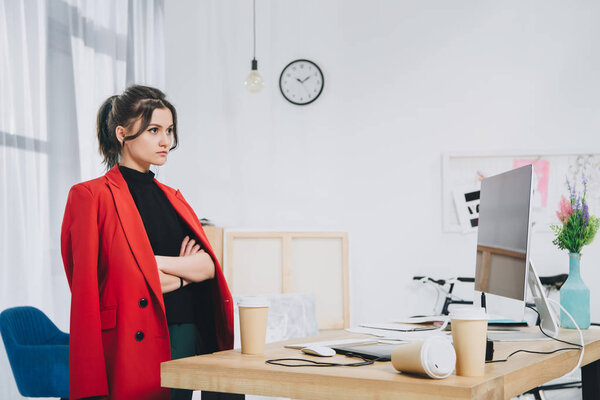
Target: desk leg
[(590, 379), (221, 396)]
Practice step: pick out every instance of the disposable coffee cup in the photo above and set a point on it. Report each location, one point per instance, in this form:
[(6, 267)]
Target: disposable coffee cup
[(433, 357), (469, 333), (253, 324)]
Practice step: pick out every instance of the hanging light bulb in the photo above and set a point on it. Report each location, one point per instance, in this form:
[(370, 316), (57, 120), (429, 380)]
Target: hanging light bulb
[(254, 82)]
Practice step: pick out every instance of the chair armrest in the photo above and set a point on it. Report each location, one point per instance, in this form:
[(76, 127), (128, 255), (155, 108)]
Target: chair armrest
[(40, 371), (61, 339)]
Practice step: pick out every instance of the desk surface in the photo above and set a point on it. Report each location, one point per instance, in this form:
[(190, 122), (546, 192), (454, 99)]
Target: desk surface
[(232, 372)]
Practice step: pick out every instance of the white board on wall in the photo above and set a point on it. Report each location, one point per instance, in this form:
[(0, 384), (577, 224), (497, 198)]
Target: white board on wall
[(465, 170), (292, 262)]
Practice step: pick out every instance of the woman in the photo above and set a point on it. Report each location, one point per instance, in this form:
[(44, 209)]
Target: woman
[(145, 284)]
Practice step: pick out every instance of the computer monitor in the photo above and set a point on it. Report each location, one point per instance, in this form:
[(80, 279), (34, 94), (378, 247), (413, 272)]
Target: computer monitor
[(504, 267)]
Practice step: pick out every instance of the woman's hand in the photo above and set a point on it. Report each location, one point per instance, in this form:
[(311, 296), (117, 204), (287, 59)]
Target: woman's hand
[(188, 247), (168, 282), (193, 264)]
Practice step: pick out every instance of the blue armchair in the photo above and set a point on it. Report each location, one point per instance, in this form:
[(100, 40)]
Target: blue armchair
[(38, 352)]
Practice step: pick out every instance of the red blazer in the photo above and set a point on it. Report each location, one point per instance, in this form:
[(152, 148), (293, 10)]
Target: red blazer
[(119, 333)]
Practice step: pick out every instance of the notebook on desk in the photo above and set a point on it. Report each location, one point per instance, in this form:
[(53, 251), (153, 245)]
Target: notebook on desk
[(330, 343), (516, 336)]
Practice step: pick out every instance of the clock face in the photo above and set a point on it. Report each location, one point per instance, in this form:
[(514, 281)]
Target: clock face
[(301, 82)]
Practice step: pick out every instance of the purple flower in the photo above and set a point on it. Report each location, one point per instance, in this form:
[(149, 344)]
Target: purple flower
[(586, 214), (571, 191)]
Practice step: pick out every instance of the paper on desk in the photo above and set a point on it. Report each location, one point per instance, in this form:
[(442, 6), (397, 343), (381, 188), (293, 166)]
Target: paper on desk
[(397, 335)]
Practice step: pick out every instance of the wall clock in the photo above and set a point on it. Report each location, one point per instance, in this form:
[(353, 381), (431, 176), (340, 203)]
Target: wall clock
[(301, 82)]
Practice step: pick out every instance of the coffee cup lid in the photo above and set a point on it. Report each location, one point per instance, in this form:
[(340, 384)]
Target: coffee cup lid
[(253, 301), (438, 357), (469, 313)]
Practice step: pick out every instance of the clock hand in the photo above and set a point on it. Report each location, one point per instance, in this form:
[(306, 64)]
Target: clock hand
[(307, 91), (302, 83)]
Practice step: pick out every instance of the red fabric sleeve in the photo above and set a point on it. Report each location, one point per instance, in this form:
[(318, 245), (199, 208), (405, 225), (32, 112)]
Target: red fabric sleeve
[(79, 248)]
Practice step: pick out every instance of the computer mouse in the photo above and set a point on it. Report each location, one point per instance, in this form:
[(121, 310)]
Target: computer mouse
[(320, 351)]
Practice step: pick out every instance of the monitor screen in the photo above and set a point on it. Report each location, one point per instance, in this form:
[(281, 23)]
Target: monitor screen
[(503, 233)]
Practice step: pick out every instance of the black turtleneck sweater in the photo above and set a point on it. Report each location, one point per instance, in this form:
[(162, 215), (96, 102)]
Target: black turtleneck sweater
[(166, 230)]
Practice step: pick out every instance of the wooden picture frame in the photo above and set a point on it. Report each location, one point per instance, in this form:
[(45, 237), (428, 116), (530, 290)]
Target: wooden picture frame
[(292, 262)]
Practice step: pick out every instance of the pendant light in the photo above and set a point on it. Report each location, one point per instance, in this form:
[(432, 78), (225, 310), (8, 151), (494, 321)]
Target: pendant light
[(254, 82)]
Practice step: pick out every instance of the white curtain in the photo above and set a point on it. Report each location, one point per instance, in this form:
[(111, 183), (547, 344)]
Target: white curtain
[(24, 233), (114, 43), (59, 60), (146, 43), (98, 33)]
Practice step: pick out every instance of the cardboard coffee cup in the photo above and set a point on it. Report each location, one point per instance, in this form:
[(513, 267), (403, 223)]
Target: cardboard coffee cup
[(433, 357), (469, 332), (253, 324)]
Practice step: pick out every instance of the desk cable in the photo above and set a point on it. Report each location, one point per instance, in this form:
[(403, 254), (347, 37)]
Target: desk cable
[(579, 347), (312, 363)]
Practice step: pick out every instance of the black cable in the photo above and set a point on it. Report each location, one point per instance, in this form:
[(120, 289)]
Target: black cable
[(254, 29), (578, 346), (553, 338), (532, 352), (313, 363), (483, 304)]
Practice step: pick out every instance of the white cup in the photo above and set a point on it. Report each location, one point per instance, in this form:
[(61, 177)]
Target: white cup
[(469, 333), (434, 357), (254, 313)]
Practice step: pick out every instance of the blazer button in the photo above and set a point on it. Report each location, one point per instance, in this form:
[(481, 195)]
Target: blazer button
[(143, 303), (139, 336)]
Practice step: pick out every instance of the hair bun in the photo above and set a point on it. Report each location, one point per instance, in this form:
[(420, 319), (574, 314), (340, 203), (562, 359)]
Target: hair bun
[(105, 112)]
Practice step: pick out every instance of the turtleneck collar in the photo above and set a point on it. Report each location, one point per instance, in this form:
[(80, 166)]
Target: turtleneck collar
[(132, 175)]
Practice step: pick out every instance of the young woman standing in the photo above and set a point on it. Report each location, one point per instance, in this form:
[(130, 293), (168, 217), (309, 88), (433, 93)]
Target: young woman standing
[(146, 286)]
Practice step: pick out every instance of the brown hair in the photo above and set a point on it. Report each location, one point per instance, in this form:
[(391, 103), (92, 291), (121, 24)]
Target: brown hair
[(136, 102)]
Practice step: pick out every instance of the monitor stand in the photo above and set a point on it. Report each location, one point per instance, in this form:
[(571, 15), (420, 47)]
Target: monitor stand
[(547, 319)]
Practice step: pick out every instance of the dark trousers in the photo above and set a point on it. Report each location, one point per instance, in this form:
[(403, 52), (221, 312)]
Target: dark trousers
[(183, 344)]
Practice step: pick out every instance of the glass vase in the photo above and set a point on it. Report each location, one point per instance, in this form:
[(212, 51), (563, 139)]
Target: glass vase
[(575, 297)]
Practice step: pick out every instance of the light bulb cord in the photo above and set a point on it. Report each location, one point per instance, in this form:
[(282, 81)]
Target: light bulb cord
[(254, 29)]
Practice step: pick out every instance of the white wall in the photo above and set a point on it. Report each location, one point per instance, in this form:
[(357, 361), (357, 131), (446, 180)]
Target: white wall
[(405, 81)]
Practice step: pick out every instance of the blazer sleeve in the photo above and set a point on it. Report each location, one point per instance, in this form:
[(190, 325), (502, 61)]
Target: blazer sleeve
[(221, 294), (79, 248)]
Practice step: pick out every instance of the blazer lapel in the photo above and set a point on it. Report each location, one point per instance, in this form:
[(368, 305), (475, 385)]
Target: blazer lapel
[(135, 232)]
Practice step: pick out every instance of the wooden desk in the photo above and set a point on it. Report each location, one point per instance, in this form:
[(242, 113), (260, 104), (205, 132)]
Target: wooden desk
[(232, 372)]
